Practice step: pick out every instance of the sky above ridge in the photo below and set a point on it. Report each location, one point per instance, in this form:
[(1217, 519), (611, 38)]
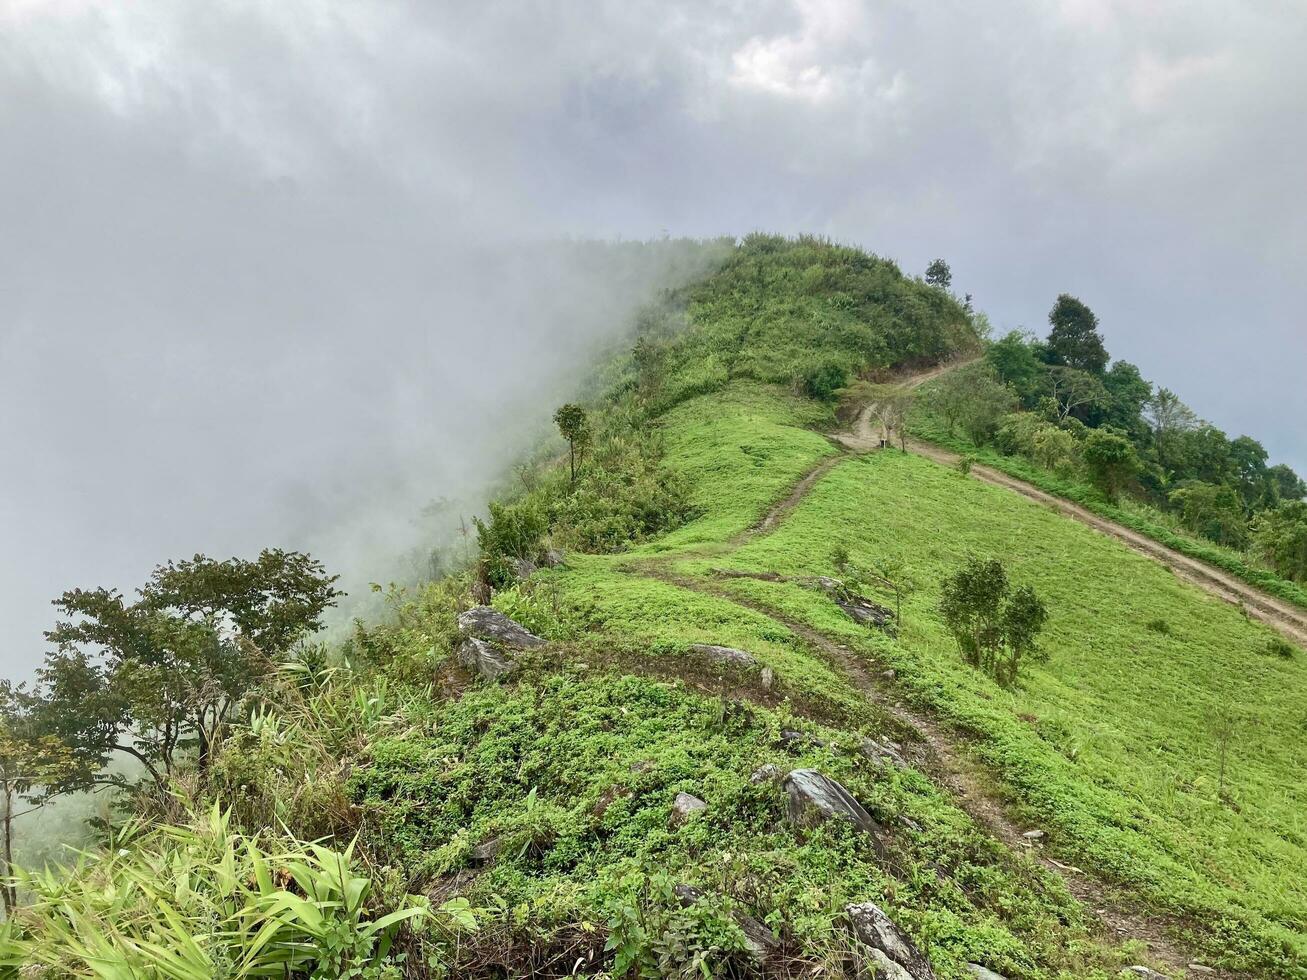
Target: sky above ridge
[(257, 270)]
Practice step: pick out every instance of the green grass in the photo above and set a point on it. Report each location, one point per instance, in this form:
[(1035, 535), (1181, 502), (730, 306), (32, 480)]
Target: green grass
[(573, 773), (1135, 515), (1110, 747)]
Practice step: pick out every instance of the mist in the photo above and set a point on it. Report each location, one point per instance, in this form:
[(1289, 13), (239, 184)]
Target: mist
[(282, 274)]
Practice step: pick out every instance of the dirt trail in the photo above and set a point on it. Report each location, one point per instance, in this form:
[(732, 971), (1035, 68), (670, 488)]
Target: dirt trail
[(947, 763), (950, 768)]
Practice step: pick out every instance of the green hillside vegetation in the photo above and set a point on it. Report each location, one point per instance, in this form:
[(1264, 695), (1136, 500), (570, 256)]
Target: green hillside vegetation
[(1053, 413), (527, 825)]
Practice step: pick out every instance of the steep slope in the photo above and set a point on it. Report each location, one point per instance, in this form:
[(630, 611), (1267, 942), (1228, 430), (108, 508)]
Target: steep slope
[(709, 506)]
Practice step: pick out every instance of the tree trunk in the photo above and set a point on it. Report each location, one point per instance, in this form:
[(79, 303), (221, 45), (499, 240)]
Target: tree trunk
[(9, 889)]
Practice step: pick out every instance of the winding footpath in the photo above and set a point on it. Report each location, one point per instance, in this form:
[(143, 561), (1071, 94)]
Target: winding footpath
[(945, 756)]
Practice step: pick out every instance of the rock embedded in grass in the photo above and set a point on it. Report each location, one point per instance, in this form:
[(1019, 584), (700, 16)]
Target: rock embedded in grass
[(492, 626), (1145, 972), (899, 958), (484, 658), (488, 636), (758, 939), (815, 798), (685, 806), (983, 972), (724, 655)]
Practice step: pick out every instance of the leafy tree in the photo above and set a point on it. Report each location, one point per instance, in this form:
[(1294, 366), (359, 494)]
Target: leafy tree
[(1074, 339), (974, 397), (1074, 392), (575, 428), (33, 766), (1215, 512), (1287, 484), (1111, 460), (1167, 414), (1280, 536), (939, 274), (163, 674), (994, 625), (1017, 364), (1126, 395), (1250, 475)]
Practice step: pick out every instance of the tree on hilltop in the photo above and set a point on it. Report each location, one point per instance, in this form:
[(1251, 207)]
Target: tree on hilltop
[(1074, 339), (939, 274)]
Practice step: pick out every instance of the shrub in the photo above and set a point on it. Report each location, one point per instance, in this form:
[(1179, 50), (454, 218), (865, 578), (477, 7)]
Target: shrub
[(1279, 647), (994, 625)]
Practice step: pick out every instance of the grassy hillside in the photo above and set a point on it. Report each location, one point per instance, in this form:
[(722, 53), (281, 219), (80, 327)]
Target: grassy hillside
[(535, 814)]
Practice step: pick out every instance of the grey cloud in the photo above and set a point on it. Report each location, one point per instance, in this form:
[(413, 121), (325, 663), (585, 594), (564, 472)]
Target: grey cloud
[(254, 255)]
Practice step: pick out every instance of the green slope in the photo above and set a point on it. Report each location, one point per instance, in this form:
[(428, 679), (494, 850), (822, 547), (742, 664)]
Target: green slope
[(567, 772)]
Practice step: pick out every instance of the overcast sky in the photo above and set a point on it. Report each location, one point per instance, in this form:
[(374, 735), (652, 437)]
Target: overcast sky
[(258, 282)]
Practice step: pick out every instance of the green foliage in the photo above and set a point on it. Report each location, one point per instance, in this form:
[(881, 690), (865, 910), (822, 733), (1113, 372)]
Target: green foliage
[(515, 532), (994, 625), (1016, 361), (823, 379), (1280, 536), (1215, 512), (185, 902), (162, 675), (974, 398), (1074, 340), (1111, 462), (939, 274), (574, 426)]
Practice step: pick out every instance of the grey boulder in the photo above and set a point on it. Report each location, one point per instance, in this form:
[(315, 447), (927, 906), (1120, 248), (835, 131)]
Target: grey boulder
[(488, 636), (483, 658), (983, 973), (724, 655), (491, 625), (685, 806), (814, 799), (899, 958)]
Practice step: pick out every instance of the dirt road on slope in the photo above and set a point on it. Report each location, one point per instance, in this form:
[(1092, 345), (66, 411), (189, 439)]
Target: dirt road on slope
[(865, 436), (1282, 616)]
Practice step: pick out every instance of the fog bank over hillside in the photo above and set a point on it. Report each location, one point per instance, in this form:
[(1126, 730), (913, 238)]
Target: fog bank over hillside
[(262, 267)]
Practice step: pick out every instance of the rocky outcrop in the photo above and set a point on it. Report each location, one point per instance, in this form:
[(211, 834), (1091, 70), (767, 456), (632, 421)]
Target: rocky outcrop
[(857, 607), (769, 773), (484, 658), (883, 752), (758, 939), (728, 656), (1145, 972), (895, 956), (489, 639), (491, 625), (814, 799), (983, 972)]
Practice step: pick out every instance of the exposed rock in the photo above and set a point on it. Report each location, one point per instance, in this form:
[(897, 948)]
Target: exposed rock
[(814, 798), (1199, 968), (876, 930), (883, 750), (553, 558), (890, 674), (1034, 835), (791, 739), (724, 655), (757, 937), (490, 662), (856, 607), (1145, 972), (884, 968), (909, 823), (492, 626), (983, 973), (685, 806), (767, 678), (769, 773), (487, 851), (523, 568)]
